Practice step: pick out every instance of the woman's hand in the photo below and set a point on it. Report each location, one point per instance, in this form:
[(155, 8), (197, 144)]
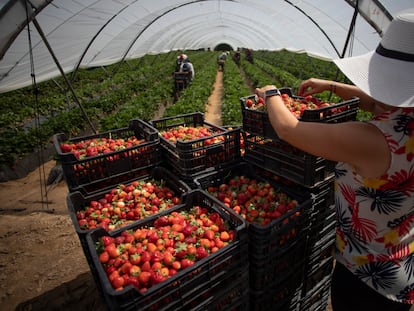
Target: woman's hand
[(313, 86)]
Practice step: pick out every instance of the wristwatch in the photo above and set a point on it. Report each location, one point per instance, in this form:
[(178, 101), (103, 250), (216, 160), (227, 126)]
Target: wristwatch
[(272, 92)]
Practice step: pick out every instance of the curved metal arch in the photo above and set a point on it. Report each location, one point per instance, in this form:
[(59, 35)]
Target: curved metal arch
[(356, 4), (152, 22), (76, 68), (316, 24), (31, 14), (198, 27), (32, 18), (198, 1)]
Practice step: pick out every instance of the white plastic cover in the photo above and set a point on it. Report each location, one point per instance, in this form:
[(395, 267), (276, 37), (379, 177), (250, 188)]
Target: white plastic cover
[(101, 32)]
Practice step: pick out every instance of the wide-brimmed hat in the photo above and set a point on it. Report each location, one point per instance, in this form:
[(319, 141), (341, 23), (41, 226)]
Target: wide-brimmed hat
[(387, 74)]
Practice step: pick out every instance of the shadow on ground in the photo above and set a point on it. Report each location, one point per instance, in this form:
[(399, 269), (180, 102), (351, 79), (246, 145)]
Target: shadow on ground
[(79, 294)]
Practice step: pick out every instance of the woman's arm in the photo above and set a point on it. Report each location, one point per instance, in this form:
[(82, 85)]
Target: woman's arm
[(360, 144)]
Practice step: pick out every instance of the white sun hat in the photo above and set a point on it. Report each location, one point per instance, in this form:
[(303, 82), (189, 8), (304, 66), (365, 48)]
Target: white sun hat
[(387, 74)]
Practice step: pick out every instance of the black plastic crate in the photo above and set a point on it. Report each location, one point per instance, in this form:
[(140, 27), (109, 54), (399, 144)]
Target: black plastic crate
[(322, 194), (106, 184), (318, 274), (230, 294), (283, 296), (287, 161), (257, 121), (322, 226), (100, 168), (275, 268), (77, 202), (319, 252), (194, 284), (316, 299), (189, 158), (280, 233)]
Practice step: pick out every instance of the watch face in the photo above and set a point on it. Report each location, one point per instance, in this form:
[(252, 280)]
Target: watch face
[(272, 92)]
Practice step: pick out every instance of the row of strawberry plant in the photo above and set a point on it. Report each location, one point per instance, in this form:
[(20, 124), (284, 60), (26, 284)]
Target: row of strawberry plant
[(300, 65), (234, 88), (257, 76), (283, 77), (100, 93)]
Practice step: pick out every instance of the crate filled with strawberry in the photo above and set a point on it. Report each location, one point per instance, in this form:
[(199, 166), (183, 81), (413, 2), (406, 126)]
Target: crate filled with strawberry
[(191, 257), (191, 145), (264, 148), (277, 218), (125, 203), (98, 158), (309, 108)]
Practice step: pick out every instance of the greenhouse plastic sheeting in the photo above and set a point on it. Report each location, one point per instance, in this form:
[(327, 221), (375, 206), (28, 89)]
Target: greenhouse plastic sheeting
[(92, 33)]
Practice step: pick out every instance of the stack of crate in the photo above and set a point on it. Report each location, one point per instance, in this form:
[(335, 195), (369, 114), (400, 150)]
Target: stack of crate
[(192, 158), (266, 150), (277, 248), (216, 282), (90, 177)]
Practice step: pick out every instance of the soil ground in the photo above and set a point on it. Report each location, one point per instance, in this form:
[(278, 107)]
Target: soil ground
[(42, 262)]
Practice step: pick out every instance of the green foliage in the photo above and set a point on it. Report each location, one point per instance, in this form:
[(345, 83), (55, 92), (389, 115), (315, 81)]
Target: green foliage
[(234, 88)]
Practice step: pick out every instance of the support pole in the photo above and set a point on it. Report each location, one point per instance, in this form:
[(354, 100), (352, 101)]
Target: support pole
[(39, 29)]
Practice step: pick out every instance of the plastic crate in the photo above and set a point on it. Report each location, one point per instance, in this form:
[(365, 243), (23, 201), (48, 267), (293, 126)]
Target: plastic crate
[(231, 294), (205, 280), (76, 201), (275, 268), (287, 161), (323, 193), (101, 168), (106, 184), (316, 299), (318, 273), (273, 238), (283, 296), (257, 122), (322, 225), (189, 158), (319, 252)]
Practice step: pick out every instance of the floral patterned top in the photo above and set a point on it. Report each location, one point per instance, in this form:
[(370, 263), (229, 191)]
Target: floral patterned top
[(375, 217)]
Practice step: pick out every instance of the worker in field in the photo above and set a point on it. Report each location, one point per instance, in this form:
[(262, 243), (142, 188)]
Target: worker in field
[(187, 66), (249, 55), (179, 61), (221, 60), (236, 57)]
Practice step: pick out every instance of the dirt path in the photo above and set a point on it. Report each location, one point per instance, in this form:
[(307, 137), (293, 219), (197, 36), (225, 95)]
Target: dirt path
[(213, 108)]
